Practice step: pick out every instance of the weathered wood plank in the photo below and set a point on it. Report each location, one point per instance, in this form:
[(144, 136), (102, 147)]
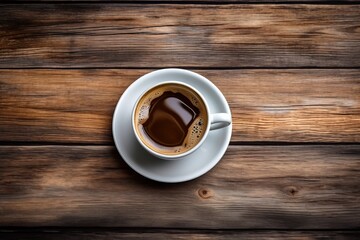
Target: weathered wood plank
[(282, 187), (267, 105), (177, 234), (118, 35)]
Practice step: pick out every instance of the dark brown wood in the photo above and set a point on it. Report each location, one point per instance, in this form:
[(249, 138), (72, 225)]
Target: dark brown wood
[(76, 106), (282, 187), (118, 35), (176, 234), (71, 192)]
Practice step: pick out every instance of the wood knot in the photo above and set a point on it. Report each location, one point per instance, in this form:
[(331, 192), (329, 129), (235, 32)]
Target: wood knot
[(204, 193), (292, 190)]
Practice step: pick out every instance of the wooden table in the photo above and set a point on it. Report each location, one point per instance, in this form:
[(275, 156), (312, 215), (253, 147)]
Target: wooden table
[(290, 72)]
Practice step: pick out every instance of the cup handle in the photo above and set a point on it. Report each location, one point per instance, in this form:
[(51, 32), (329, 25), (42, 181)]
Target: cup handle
[(219, 120)]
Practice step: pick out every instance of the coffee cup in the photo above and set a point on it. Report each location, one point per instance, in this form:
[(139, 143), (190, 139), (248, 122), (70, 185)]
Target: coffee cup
[(172, 119)]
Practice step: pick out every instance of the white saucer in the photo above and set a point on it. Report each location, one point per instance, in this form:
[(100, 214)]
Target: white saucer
[(183, 169)]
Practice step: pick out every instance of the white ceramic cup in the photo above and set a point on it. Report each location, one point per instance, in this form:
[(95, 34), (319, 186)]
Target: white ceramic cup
[(215, 121)]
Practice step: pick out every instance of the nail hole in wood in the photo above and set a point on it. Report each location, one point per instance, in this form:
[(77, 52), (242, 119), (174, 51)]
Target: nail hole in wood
[(292, 190)]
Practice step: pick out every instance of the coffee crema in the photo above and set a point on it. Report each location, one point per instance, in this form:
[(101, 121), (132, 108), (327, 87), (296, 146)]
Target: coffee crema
[(170, 119)]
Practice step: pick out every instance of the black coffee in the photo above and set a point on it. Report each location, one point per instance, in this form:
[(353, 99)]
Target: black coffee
[(170, 119)]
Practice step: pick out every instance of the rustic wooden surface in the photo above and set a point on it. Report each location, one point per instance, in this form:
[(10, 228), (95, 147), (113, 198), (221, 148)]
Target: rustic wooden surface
[(181, 235), (292, 187), (290, 73), (267, 105), (117, 35)]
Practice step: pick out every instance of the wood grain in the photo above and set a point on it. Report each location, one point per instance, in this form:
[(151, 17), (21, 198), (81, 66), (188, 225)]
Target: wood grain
[(76, 106), (177, 234), (282, 187), (118, 35)]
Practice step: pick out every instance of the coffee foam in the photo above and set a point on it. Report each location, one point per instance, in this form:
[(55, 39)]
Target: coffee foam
[(195, 131)]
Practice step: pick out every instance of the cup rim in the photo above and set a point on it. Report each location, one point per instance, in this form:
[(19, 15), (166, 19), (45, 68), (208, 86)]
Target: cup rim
[(173, 156)]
